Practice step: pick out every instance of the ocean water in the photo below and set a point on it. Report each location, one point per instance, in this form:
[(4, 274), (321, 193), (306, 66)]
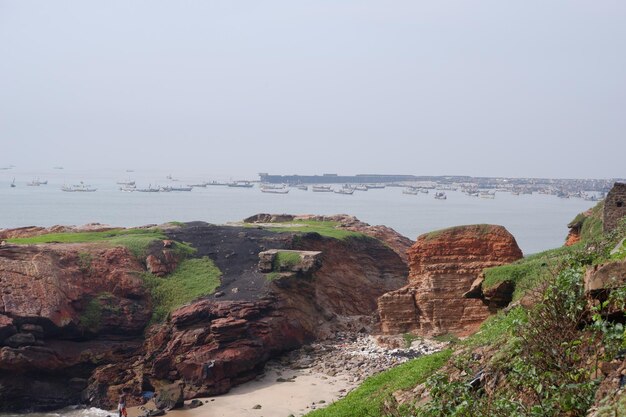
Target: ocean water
[(537, 221)]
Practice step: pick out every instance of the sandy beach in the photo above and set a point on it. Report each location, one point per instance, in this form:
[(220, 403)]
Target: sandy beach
[(306, 379), (303, 391)]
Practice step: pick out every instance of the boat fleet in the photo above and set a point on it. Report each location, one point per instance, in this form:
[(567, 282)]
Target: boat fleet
[(475, 189)]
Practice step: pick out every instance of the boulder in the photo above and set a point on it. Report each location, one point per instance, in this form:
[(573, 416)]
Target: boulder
[(170, 397)]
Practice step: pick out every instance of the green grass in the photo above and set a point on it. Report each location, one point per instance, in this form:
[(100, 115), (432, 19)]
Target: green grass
[(367, 400), (496, 328), (92, 316), (324, 228), (137, 241), (284, 261), (192, 279), (591, 224), (480, 228), (272, 276), (528, 272)]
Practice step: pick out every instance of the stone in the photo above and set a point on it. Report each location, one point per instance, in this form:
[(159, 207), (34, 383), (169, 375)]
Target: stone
[(257, 407), (599, 278), (614, 206), (170, 397), (20, 339)]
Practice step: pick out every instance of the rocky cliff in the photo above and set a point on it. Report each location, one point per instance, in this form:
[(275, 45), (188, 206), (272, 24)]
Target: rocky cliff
[(64, 310), (443, 266), (74, 318)]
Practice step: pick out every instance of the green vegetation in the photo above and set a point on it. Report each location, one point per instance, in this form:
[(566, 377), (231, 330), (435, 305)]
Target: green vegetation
[(368, 400), (480, 228), (137, 241), (192, 279), (409, 338), (589, 223), (84, 261), (324, 228), (92, 316), (272, 276), (531, 271), (284, 261)]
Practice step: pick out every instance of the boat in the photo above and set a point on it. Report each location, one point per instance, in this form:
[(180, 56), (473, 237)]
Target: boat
[(168, 188), (487, 194), (410, 191), (216, 183), (128, 188), (345, 191), (275, 190), (78, 188), (169, 177), (198, 185), (360, 187), (303, 187), (375, 185), (150, 189), (241, 184), (13, 183), (57, 167), (36, 183), (130, 183), (440, 195), (322, 189), (273, 186)]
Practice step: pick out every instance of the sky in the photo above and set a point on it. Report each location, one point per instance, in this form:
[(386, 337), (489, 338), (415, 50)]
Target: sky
[(528, 88)]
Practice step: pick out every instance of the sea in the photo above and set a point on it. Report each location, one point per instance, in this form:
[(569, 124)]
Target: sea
[(537, 221)]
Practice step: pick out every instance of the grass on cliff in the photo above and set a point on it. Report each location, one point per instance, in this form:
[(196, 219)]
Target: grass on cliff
[(590, 223), (192, 279), (285, 261), (530, 271), (137, 241), (324, 228), (479, 228), (368, 399)]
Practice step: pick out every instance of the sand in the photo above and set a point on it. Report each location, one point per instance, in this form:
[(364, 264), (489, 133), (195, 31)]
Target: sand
[(277, 399)]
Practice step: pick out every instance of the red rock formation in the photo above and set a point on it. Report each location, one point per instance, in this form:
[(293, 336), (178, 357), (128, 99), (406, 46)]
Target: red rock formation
[(443, 266), (54, 299)]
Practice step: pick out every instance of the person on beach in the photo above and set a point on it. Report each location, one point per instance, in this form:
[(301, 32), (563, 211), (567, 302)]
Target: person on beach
[(121, 405)]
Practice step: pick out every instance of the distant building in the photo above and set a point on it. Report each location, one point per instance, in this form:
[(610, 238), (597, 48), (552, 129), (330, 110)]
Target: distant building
[(614, 206)]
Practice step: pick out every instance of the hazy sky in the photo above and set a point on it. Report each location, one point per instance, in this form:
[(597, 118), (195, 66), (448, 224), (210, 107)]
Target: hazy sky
[(494, 88)]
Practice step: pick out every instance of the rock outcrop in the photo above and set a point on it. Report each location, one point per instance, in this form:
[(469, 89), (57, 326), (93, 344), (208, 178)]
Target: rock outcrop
[(443, 266), (214, 343), (64, 310)]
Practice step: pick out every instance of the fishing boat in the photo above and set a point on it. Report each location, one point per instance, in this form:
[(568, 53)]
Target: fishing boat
[(168, 188), (13, 183), (241, 184), (322, 189), (216, 183), (361, 187), (128, 188), (273, 186), (78, 188), (440, 196), (375, 185), (303, 187), (275, 190), (410, 191), (344, 191), (128, 182), (36, 183), (198, 185), (150, 189), (487, 194)]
